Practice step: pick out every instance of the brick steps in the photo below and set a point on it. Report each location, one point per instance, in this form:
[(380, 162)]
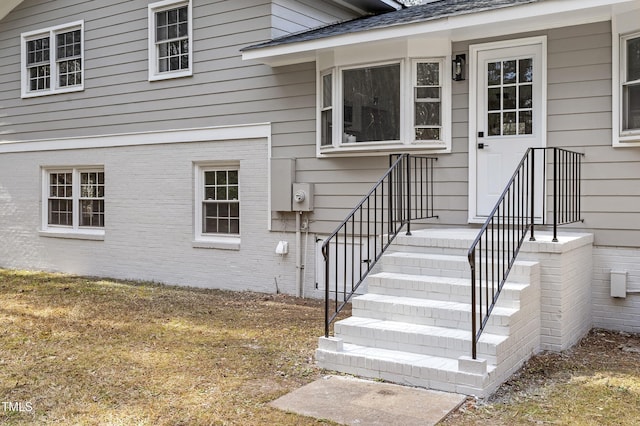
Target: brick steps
[(414, 324)]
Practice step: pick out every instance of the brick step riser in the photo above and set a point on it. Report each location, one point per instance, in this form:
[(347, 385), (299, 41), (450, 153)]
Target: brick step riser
[(496, 324), (403, 373), (446, 268), (509, 297), (440, 346)]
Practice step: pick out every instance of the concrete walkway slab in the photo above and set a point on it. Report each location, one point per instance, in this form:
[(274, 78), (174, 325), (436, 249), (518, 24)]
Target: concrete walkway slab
[(351, 401)]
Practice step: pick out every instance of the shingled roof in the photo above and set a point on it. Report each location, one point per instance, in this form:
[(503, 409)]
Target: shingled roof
[(427, 12)]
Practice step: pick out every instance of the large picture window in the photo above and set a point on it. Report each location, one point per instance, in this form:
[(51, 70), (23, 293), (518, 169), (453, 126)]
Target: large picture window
[(74, 200), (384, 107), (170, 50), (52, 60), (371, 103)]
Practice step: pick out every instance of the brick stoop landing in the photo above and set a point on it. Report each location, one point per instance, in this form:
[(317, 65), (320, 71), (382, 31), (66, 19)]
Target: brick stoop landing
[(413, 326)]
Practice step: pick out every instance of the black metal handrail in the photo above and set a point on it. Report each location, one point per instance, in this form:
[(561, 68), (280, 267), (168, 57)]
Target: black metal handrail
[(403, 194), (498, 243)]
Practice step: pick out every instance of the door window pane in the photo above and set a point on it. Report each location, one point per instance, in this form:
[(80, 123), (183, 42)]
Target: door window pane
[(510, 75), (525, 70), (525, 97), (494, 76), (510, 97), (493, 100)]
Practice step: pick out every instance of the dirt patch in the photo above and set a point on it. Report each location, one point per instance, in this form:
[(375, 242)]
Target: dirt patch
[(596, 382)]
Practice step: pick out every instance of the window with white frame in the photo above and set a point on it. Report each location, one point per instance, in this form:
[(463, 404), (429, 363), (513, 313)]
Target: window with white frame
[(374, 107), (427, 100), (630, 84), (170, 36), (52, 60), (74, 199), (217, 204), (371, 103), (326, 110)]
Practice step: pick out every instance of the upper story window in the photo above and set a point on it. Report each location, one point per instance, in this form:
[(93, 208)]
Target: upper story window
[(383, 107), (52, 60), (170, 50)]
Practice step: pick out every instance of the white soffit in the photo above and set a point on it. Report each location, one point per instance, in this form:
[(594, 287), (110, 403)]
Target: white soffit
[(504, 21), (7, 6)]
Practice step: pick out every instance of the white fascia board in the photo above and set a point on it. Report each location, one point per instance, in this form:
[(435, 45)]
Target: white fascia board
[(510, 20), (200, 134)]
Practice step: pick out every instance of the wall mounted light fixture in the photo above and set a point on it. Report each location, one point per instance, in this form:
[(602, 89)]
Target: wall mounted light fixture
[(457, 67)]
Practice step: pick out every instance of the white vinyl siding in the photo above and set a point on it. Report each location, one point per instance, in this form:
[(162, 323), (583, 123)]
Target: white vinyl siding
[(170, 40), (52, 60)]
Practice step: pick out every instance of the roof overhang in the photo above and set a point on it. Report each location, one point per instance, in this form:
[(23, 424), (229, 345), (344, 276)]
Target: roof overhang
[(7, 6), (493, 23), (367, 6)]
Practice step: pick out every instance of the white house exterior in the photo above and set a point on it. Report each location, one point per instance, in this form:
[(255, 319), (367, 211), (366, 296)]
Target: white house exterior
[(164, 140)]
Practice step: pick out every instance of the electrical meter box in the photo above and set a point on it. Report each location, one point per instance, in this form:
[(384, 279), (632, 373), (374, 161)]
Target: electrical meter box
[(302, 197)]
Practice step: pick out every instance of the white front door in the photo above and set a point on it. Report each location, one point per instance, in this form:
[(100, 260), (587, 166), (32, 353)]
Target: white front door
[(509, 118)]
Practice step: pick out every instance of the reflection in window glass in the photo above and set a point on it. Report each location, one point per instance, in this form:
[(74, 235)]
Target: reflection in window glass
[(221, 205), (510, 97), (427, 101), (371, 104), (326, 113), (631, 87)]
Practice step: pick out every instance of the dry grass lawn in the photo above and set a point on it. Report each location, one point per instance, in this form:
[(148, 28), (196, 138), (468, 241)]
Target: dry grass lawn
[(89, 351), (84, 351)]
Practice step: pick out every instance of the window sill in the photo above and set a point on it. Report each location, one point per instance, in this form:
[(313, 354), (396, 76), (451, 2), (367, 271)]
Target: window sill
[(220, 243), (37, 94), (170, 75), (372, 148), (96, 235), (627, 141)]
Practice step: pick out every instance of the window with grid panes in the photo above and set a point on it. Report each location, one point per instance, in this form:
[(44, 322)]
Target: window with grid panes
[(52, 60), (170, 39), (631, 84), (221, 203), (75, 198)]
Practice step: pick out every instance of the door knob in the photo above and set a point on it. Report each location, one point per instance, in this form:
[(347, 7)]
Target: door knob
[(482, 145)]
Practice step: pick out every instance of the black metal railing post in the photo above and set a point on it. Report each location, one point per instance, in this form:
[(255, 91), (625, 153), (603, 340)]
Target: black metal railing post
[(555, 195), (408, 211), (533, 191)]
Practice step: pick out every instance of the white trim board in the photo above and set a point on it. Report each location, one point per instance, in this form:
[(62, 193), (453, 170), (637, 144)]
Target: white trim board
[(509, 20), (200, 134)]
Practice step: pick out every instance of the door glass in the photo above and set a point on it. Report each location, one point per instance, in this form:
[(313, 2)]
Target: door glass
[(510, 97)]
